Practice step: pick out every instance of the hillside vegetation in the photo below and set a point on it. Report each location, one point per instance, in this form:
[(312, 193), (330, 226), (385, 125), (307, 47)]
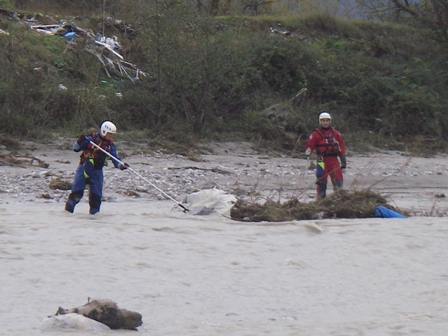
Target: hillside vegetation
[(259, 78)]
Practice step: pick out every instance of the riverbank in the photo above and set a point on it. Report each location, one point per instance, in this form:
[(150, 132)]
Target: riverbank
[(413, 184)]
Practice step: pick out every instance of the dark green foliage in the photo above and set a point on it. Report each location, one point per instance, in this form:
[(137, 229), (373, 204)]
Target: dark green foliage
[(212, 77)]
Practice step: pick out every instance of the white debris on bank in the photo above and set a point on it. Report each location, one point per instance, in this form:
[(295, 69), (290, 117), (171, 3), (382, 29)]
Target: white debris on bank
[(210, 201), (106, 49)]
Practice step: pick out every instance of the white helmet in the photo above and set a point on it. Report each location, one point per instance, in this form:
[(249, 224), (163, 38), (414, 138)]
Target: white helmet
[(107, 127), (324, 115)]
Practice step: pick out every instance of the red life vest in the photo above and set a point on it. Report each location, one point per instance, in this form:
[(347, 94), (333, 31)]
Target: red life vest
[(91, 152), (328, 146)]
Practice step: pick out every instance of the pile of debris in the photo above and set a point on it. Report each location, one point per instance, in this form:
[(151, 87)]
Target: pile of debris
[(105, 49), (21, 160), (340, 204)]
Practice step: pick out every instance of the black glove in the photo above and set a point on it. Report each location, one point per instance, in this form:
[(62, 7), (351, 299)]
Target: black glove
[(81, 139), (124, 166), (343, 162)]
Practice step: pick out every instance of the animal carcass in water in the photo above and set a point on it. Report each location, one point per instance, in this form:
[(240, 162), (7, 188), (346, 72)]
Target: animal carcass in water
[(108, 313)]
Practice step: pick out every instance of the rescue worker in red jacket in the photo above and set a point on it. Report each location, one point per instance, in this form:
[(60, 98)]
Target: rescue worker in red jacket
[(90, 168), (329, 146)]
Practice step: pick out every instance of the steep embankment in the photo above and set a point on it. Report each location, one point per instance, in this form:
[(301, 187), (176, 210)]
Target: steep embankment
[(210, 77)]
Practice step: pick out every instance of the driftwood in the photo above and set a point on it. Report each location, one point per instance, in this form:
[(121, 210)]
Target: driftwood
[(21, 160), (215, 170), (100, 46), (108, 313), (340, 204)]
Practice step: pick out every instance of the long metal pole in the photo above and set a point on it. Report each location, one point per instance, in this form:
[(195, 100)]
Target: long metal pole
[(144, 179)]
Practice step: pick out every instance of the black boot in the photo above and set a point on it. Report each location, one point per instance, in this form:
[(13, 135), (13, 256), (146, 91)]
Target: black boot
[(69, 206), (337, 184), (95, 203), (73, 199), (321, 189)]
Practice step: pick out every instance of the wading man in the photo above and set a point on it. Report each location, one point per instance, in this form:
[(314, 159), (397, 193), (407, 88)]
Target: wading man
[(329, 146), (90, 168)]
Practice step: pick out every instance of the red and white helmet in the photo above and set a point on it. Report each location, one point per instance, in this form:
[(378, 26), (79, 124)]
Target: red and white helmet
[(107, 127)]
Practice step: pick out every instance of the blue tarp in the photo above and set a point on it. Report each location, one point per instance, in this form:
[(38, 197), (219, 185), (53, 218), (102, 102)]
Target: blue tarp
[(384, 212)]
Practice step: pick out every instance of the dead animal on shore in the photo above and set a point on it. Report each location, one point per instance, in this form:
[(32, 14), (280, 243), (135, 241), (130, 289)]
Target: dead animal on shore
[(108, 313)]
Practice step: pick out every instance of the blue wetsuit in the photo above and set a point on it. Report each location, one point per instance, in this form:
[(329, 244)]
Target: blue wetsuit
[(90, 171)]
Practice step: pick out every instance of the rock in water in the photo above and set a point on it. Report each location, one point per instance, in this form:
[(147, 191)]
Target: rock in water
[(108, 313)]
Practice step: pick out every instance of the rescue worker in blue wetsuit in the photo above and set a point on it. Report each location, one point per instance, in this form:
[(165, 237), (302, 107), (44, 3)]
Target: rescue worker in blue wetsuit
[(90, 169)]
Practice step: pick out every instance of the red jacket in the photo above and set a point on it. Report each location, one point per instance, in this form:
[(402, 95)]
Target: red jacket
[(326, 142)]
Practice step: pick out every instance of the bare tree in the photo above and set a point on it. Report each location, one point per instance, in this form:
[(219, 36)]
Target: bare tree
[(430, 14), (439, 21)]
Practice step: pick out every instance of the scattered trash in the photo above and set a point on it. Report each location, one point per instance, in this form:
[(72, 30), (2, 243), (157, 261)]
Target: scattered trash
[(112, 42), (104, 48), (70, 35), (52, 29), (210, 201), (281, 32), (111, 60), (62, 87)]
